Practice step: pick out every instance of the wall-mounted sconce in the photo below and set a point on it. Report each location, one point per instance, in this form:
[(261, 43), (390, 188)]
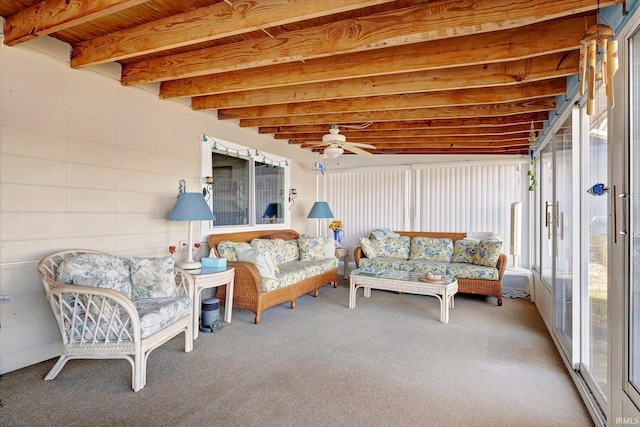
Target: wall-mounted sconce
[(208, 187), (293, 193)]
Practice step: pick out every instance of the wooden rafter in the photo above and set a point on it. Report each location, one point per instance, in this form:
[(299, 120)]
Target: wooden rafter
[(48, 17), (499, 46), (213, 22), (425, 76), (533, 69), (447, 98), (401, 27), (536, 118), (518, 107)]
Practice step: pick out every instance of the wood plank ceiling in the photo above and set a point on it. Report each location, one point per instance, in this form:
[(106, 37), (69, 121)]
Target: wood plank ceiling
[(423, 76)]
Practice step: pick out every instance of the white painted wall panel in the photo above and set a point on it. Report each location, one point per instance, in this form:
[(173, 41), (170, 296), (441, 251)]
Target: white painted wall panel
[(34, 144), (88, 163), (26, 170), (90, 200)]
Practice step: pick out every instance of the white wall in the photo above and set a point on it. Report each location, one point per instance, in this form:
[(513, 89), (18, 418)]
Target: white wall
[(88, 163)]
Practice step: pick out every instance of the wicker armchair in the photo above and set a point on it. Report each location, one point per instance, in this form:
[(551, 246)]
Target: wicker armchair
[(101, 323)]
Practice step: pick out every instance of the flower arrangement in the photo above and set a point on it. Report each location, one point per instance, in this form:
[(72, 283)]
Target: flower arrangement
[(335, 225)]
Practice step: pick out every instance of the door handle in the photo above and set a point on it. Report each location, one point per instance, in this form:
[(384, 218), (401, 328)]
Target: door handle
[(6, 298), (617, 232)]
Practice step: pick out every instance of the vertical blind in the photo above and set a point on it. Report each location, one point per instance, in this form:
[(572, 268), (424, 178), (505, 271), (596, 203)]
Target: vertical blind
[(465, 198)]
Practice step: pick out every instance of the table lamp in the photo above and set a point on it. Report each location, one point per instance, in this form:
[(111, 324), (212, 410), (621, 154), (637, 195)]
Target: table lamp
[(190, 207), (320, 210)]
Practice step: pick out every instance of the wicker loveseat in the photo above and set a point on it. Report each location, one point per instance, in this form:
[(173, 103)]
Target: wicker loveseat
[(295, 278), (444, 259), (108, 307)]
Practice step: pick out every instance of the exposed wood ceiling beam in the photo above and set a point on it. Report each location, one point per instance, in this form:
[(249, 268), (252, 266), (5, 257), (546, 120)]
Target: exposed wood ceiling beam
[(403, 133), (205, 24), (445, 98), (399, 27), (458, 123), (440, 141), (505, 73), (48, 17), (448, 150), (518, 107), (425, 76), (550, 37)]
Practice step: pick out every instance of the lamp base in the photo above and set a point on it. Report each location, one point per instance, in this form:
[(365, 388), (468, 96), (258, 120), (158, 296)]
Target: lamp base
[(189, 265)]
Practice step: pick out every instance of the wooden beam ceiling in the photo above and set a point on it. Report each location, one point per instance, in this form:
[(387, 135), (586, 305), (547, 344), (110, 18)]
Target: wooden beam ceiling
[(417, 76)]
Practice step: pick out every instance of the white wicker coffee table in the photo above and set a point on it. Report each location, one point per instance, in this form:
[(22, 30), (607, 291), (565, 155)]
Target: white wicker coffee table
[(403, 281)]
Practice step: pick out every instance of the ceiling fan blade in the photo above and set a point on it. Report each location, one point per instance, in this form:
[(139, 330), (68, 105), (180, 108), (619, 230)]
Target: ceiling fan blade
[(358, 144), (357, 150)]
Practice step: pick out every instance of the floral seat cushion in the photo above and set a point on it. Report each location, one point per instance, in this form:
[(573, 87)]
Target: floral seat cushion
[(424, 266), (472, 271), (156, 313), (295, 271), (381, 263)]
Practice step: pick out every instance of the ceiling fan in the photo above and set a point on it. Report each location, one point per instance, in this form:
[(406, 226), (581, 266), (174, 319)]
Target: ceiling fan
[(336, 144)]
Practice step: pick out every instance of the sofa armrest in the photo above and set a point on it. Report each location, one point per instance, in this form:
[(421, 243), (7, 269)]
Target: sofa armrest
[(501, 266), (357, 255), (247, 278)]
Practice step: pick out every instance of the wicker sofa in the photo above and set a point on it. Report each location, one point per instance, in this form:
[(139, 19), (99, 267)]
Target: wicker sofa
[(295, 278), (472, 279)]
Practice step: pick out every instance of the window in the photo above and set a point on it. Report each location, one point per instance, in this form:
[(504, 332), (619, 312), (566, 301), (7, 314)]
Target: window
[(249, 186)]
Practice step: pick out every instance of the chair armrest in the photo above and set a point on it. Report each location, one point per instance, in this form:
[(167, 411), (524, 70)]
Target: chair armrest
[(357, 255), (88, 315), (184, 282)]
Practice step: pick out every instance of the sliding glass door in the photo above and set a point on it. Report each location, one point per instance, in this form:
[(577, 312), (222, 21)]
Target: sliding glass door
[(562, 234), (593, 358), (632, 388)]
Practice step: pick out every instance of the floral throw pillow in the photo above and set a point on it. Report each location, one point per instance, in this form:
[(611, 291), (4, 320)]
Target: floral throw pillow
[(152, 278), (431, 249), (367, 248), (392, 247), (227, 249), (464, 250), (270, 246), (329, 248), (97, 270), (311, 248), (487, 253), (290, 251), (262, 260)]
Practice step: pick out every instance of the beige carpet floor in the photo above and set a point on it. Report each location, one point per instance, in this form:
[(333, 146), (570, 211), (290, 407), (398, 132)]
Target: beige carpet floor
[(388, 362)]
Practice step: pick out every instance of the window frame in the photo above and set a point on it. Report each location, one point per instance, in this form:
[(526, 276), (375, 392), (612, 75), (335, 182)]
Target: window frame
[(212, 144)]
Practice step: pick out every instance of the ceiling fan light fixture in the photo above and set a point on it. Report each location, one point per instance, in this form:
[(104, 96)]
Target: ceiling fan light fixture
[(333, 151), (333, 137)]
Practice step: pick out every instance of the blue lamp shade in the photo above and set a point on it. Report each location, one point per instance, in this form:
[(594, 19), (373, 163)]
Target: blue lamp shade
[(191, 207), (320, 210), (272, 210)]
